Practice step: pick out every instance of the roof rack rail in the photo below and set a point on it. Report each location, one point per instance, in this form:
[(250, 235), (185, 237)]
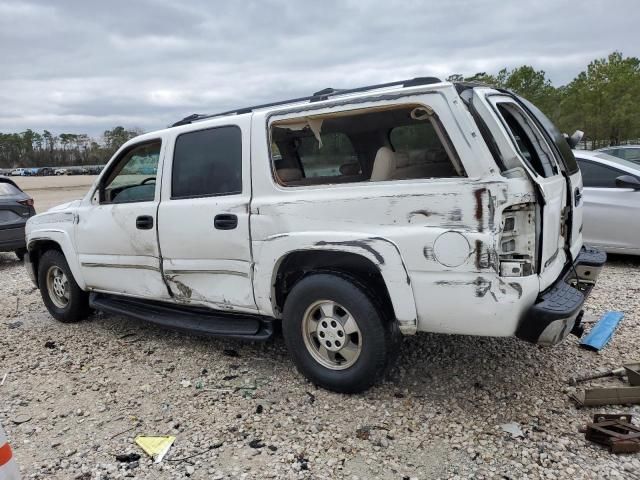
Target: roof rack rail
[(318, 96)]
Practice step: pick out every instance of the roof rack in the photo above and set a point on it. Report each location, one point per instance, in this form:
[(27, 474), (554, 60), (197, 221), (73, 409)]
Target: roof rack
[(318, 96)]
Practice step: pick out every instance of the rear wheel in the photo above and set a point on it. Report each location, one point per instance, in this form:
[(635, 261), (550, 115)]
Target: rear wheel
[(20, 253), (62, 296), (337, 335)]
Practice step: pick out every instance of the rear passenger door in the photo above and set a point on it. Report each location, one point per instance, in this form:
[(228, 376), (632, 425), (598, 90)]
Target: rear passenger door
[(203, 218)]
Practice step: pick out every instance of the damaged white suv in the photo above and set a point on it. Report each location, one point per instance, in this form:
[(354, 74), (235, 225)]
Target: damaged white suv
[(354, 217)]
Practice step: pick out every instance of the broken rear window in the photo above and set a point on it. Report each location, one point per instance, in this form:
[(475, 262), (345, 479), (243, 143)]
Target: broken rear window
[(371, 145)]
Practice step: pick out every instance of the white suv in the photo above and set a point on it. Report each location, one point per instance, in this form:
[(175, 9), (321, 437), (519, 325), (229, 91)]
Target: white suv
[(352, 217)]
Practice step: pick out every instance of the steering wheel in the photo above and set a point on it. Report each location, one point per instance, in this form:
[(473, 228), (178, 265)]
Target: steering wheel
[(144, 182)]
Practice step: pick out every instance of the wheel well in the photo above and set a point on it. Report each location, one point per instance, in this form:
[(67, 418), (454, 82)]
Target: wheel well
[(296, 265), (37, 249)]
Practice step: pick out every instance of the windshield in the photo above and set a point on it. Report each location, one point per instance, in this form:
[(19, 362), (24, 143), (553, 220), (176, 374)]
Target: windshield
[(553, 132)]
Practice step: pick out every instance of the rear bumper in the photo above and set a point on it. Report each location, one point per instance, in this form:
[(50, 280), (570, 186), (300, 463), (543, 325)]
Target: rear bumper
[(12, 238), (559, 308)]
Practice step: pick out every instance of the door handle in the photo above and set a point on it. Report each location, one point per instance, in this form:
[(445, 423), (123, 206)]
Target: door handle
[(144, 222), (225, 221)]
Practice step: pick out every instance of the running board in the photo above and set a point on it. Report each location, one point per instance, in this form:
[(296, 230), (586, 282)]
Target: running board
[(200, 321)]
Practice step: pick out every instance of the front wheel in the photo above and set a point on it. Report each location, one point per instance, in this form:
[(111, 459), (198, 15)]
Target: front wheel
[(20, 253), (337, 335), (62, 296)]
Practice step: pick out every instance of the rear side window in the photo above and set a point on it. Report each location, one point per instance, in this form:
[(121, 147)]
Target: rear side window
[(600, 176), (7, 189), (207, 163), (369, 145)]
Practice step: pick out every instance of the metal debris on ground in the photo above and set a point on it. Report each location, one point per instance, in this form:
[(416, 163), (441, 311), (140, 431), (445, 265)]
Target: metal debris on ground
[(601, 395), (607, 396), (616, 372), (602, 331), (615, 431)]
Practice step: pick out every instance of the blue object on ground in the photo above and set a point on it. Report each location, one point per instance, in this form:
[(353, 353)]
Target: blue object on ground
[(602, 331)]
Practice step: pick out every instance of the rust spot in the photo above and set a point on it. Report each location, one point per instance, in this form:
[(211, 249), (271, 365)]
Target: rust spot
[(478, 252), (482, 286), (517, 287), (184, 291), (425, 213), (479, 210), (428, 253), (455, 215)]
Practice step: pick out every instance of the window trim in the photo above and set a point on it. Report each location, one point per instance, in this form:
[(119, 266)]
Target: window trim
[(113, 165), (208, 195), (532, 126), (441, 132)]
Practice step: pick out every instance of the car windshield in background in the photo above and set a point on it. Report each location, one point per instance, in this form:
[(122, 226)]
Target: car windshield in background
[(620, 161)]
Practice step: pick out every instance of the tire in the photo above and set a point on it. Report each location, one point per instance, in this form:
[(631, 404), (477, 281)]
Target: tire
[(355, 360), (20, 253), (76, 306)]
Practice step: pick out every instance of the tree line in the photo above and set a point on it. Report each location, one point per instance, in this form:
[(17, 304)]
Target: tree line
[(34, 149), (603, 101)]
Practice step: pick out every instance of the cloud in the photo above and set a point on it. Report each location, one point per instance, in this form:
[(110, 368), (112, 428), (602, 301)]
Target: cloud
[(84, 67)]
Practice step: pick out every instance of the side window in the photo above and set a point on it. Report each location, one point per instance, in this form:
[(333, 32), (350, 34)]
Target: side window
[(596, 175), (335, 156), (207, 163), (528, 140), (367, 145), (133, 178)]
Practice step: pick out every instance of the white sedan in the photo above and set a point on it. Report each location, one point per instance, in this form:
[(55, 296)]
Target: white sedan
[(611, 202)]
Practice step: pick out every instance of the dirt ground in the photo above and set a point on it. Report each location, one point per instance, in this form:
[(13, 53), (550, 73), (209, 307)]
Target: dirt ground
[(75, 396)]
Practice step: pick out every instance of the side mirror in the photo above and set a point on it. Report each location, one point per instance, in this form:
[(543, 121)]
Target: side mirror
[(575, 138), (628, 181)]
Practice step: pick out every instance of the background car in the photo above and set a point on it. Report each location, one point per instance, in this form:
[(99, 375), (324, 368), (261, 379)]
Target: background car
[(17, 172), (626, 152), (611, 202), (60, 171), (15, 209)]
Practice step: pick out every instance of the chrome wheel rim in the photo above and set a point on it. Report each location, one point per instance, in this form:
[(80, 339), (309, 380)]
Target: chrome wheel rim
[(58, 286), (331, 335)]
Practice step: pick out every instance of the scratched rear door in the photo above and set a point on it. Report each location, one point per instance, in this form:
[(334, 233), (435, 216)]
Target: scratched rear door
[(527, 148)]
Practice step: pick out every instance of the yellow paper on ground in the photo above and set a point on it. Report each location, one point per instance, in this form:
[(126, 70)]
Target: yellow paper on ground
[(155, 447)]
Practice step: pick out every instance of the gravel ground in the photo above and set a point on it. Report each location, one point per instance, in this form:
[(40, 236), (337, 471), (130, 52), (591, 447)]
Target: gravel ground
[(88, 389)]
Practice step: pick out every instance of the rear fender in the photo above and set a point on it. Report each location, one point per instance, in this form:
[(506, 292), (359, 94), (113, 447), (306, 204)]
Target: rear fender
[(383, 253)]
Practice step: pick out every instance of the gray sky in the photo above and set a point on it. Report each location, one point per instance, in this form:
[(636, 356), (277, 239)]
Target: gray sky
[(83, 66)]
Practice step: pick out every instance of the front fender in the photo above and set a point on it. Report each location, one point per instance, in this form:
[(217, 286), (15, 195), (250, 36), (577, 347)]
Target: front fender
[(63, 239), (383, 253)]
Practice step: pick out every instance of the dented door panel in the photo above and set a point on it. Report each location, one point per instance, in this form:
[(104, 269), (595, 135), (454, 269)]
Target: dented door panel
[(201, 264)]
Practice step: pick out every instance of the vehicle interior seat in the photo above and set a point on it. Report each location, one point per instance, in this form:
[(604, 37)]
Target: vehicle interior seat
[(384, 165)]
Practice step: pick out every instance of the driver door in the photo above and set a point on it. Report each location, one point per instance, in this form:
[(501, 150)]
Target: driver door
[(116, 233)]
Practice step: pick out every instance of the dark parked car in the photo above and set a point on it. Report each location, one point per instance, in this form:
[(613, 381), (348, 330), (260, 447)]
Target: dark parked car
[(15, 209)]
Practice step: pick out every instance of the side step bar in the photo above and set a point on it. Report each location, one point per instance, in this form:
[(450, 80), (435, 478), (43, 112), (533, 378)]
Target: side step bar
[(200, 321)]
